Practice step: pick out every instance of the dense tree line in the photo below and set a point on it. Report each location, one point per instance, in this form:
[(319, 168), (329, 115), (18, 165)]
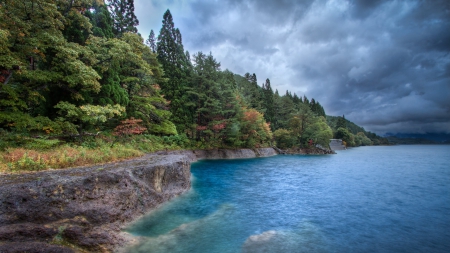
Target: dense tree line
[(353, 134), (75, 67)]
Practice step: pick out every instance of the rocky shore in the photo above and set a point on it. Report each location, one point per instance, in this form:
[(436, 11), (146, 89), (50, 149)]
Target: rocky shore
[(311, 151), (84, 209), (195, 155), (306, 151)]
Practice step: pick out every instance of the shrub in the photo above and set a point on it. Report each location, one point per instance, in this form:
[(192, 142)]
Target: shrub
[(284, 138), (40, 144), (128, 127), (21, 159)]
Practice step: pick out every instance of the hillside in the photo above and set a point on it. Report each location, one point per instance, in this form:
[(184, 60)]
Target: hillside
[(356, 135)]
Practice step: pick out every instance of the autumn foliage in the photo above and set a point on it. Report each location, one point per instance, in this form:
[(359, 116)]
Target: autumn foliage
[(255, 130), (220, 126), (201, 128), (129, 127)]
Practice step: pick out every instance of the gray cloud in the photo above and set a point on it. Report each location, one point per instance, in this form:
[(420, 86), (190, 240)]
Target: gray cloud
[(384, 64)]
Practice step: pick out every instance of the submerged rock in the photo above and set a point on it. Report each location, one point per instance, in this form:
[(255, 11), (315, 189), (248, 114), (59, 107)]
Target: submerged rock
[(187, 236), (306, 239), (269, 241)]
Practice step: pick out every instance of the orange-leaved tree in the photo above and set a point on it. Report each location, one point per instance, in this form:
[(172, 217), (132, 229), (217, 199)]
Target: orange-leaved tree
[(255, 130)]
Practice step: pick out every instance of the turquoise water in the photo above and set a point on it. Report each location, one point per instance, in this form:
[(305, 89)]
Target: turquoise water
[(367, 199)]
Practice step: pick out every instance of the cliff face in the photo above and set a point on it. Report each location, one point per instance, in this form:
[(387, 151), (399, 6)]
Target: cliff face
[(84, 209)]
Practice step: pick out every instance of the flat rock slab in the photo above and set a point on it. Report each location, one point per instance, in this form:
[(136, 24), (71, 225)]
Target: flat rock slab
[(85, 208)]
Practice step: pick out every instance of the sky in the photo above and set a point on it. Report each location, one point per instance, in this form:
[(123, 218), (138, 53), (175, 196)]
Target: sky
[(385, 65)]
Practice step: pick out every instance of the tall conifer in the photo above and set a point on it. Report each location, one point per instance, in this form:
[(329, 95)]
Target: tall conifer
[(101, 20), (122, 12), (151, 41), (341, 122), (170, 53), (268, 101)]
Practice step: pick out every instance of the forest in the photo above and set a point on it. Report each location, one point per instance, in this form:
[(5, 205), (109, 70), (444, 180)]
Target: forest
[(79, 85)]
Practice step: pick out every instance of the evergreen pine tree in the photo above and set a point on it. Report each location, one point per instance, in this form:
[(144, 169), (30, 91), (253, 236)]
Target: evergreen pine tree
[(77, 27), (101, 20), (296, 99), (177, 69), (257, 93), (313, 106), (319, 110), (285, 111), (253, 79), (141, 74), (341, 122), (278, 107), (214, 95), (151, 41), (268, 101), (246, 89), (305, 100), (122, 12)]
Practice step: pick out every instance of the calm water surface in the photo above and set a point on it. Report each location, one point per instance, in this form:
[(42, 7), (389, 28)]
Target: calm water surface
[(367, 199)]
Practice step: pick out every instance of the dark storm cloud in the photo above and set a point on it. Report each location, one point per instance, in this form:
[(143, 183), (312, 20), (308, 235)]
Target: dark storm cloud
[(363, 8), (384, 64)]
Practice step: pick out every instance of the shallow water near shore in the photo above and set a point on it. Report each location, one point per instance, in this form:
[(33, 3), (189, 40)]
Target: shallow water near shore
[(366, 199)]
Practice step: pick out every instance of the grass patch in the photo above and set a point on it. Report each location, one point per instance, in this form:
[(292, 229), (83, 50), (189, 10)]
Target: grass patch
[(43, 154), (21, 159), (36, 154)]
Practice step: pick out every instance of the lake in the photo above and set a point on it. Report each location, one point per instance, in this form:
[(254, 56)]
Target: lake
[(366, 199)]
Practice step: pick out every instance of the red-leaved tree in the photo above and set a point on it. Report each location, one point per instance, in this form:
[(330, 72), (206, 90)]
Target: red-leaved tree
[(129, 127)]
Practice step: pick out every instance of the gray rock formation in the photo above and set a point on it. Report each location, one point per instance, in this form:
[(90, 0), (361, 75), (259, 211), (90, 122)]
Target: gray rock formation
[(336, 144), (84, 208), (195, 155), (307, 151)]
